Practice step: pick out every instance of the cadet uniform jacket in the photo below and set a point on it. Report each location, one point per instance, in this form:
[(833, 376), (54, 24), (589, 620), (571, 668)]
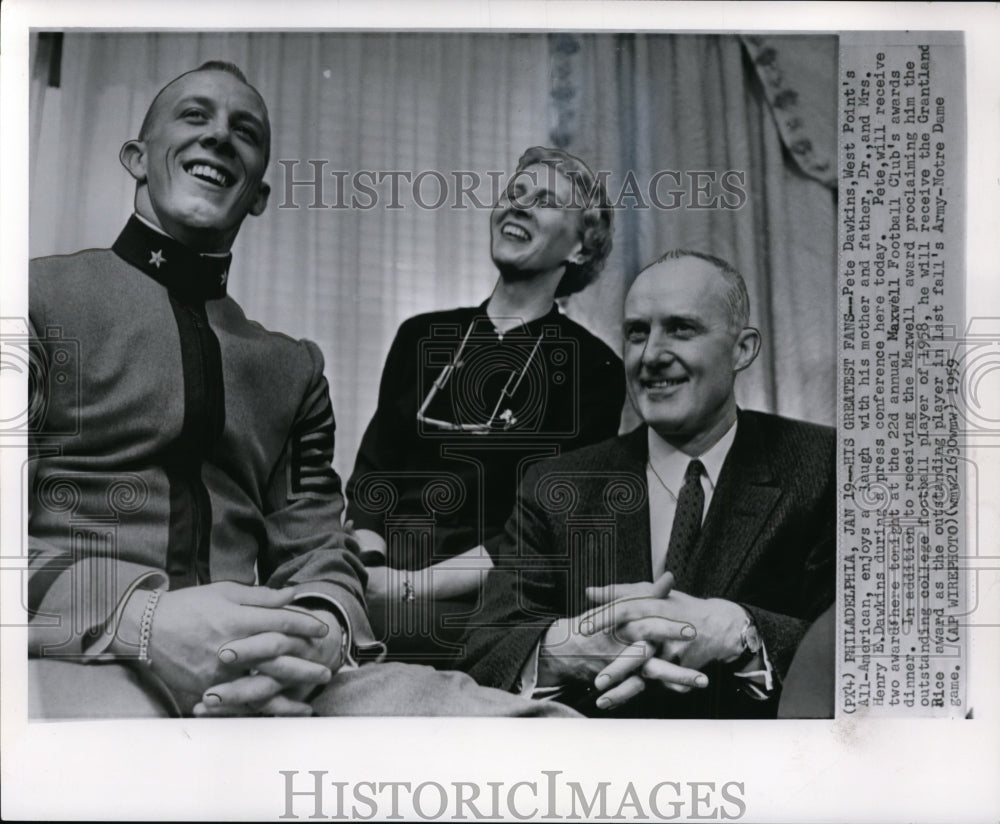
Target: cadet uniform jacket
[(173, 443)]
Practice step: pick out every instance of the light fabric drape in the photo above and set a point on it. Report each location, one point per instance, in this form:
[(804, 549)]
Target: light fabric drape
[(694, 104), (449, 102)]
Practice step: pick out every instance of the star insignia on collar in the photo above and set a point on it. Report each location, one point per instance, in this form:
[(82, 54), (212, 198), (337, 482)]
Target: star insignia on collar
[(157, 258), (223, 277)]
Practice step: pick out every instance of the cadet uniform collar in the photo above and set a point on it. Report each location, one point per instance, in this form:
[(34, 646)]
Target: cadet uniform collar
[(182, 271)]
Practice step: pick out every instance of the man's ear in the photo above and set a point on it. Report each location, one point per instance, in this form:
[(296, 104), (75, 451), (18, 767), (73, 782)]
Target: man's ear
[(746, 348), (133, 158), (260, 199)]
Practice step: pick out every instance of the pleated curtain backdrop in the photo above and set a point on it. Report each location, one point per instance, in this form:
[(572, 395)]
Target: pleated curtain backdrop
[(449, 102), (695, 104)]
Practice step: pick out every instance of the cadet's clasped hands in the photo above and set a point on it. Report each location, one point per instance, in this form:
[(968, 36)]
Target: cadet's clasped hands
[(245, 650)]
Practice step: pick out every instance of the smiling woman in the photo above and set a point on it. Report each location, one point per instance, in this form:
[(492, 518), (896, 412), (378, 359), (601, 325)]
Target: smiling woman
[(533, 241)]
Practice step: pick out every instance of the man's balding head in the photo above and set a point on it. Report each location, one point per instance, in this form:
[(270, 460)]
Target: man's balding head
[(686, 338)]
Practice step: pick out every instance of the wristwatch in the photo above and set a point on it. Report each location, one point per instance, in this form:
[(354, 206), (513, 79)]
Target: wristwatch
[(751, 643)]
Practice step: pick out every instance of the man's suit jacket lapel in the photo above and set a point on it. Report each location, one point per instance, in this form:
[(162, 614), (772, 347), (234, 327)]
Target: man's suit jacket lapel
[(632, 558), (745, 495)]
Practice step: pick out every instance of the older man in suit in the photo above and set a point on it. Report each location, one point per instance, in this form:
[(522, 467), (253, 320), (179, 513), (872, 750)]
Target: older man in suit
[(672, 571)]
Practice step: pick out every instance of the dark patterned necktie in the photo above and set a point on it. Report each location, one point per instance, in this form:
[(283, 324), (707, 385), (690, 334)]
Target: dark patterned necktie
[(687, 525)]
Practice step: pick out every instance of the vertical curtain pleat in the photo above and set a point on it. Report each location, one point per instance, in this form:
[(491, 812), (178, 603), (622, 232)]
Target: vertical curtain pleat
[(693, 103)]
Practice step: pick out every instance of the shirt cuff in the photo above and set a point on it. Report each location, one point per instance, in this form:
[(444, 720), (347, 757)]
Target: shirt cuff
[(526, 684), (758, 683), (98, 649)]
